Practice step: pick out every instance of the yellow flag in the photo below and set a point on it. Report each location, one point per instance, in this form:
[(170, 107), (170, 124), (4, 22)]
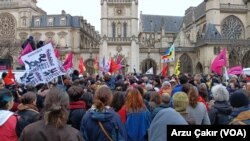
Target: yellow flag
[(177, 68)]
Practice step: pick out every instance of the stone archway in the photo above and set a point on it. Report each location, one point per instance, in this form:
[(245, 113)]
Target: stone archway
[(147, 64), (233, 58), (186, 65), (199, 68), (245, 60), (89, 64)]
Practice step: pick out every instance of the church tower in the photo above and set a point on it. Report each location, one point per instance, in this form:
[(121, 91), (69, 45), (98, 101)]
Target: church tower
[(119, 31)]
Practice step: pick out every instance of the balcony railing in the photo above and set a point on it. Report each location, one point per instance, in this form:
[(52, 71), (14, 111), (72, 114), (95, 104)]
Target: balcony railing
[(119, 39), (223, 42), (119, 1), (7, 5), (233, 7)]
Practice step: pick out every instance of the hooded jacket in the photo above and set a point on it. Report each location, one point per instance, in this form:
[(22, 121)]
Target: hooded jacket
[(8, 126), (110, 120), (219, 113)]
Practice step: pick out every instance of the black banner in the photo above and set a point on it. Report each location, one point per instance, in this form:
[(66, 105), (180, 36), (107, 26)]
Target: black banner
[(208, 132)]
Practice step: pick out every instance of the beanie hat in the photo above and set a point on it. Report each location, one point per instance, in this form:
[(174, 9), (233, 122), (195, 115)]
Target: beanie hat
[(238, 99), (180, 100)]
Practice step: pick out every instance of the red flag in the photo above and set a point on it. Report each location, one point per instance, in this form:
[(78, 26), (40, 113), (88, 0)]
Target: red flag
[(219, 62), (164, 70), (26, 50), (81, 66), (235, 70), (57, 53), (96, 63), (114, 66), (9, 78), (68, 63)]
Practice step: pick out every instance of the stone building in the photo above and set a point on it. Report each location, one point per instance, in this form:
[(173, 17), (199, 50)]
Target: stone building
[(139, 39), (198, 36), (20, 19)]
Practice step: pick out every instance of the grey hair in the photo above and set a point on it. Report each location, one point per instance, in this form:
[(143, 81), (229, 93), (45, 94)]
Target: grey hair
[(220, 93)]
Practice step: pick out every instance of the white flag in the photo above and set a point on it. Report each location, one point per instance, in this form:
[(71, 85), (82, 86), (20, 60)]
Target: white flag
[(150, 71), (226, 74)]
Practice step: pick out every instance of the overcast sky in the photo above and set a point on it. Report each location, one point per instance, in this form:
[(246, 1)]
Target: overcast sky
[(91, 9)]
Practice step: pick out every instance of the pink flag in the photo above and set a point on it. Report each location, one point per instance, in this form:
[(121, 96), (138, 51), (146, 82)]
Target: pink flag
[(26, 50), (68, 63), (57, 53), (235, 70), (219, 62)]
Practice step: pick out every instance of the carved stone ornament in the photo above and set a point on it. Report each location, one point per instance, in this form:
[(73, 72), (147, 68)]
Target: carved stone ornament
[(232, 28), (49, 34), (62, 34), (23, 35), (7, 25)]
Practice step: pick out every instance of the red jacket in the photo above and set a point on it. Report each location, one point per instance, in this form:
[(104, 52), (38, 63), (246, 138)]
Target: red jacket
[(8, 130)]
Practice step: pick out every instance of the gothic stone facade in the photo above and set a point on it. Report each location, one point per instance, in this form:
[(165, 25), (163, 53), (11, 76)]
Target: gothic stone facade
[(198, 36), (20, 19)]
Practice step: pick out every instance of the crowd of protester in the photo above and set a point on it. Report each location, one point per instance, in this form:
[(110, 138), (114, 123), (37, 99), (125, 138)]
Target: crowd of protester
[(115, 107)]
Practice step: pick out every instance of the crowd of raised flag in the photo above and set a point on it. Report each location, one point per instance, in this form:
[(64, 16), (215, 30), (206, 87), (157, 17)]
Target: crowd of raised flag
[(112, 107)]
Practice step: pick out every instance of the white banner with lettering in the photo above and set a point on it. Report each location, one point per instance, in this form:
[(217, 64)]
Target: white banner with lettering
[(41, 65)]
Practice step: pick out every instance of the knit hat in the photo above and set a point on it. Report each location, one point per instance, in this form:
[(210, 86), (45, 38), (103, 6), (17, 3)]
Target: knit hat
[(180, 100), (238, 99)]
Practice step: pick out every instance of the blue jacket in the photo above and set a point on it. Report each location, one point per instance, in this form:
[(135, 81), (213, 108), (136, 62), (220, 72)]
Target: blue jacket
[(137, 125), (111, 122)]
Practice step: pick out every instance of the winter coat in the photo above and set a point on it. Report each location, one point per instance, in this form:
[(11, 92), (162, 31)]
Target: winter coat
[(77, 111), (157, 109), (199, 114), (8, 126), (137, 123), (239, 115), (158, 127), (110, 120), (28, 114), (219, 113), (39, 131)]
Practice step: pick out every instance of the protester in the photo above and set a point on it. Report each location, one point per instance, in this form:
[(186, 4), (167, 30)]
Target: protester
[(197, 110), (27, 110), (158, 128), (241, 110), (101, 122), (77, 106), (8, 120), (135, 115), (180, 103), (221, 108), (54, 126)]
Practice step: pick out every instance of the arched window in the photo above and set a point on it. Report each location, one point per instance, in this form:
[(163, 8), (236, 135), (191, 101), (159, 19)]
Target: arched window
[(113, 29), (232, 28), (233, 58), (186, 65), (147, 64), (199, 68), (125, 29), (119, 29), (245, 60)]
